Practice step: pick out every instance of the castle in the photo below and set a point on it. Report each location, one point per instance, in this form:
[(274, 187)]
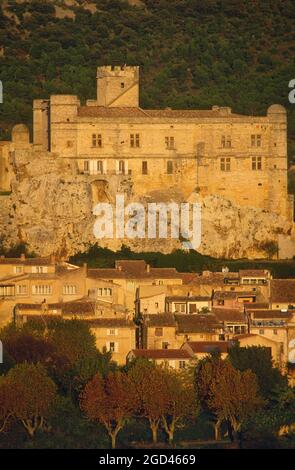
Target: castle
[(158, 154)]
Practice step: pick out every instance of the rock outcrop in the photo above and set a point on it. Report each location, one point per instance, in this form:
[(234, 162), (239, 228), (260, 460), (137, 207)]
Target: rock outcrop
[(51, 209)]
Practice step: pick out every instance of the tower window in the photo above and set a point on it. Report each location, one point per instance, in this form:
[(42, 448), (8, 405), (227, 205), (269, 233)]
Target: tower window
[(169, 167), (225, 164), (256, 140), (121, 167), (226, 141), (134, 140), (256, 163), (122, 85), (169, 142), (99, 164), (144, 168), (86, 165), (96, 140)]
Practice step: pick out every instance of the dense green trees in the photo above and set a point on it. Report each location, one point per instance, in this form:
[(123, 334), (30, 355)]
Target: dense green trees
[(190, 53)]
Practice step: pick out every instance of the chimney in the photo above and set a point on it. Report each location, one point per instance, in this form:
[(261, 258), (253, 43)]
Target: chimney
[(147, 268)]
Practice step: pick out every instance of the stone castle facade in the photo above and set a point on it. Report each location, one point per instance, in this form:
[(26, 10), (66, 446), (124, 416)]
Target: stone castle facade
[(214, 156)]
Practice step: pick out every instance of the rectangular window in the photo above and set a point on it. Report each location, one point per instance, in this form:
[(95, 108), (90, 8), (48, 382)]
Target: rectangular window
[(18, 269), (112, 347), (169, 143), (169, 167), (182, 364), (226, 141), (21, 289), (86, 165), (112, 332), (69, 290), (144, 168), (256, 140), (39, 269), (180, 308), (121, 167), (192, 308), (256, 163), (158, 331), (225, 164), (165, 345), (99, 167), (96, 140), (42, 289), (134, 140)]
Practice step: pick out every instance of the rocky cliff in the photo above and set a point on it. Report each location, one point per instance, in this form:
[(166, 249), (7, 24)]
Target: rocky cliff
[(50, 208)]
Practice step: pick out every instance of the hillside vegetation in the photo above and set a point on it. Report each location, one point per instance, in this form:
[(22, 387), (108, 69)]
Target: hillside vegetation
[(192, 53)]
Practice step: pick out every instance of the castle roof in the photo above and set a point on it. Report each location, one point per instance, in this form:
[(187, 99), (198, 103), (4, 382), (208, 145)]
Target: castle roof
[(129, 112)]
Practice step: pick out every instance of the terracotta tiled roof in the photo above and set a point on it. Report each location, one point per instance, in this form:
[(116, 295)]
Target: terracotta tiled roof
[(27, 261), (282, 291), (134, 271), (254, 273), (270, 314), (159, 319), (229, 315), (209, 346), (195, 323), (134, 112), (256, 306), (162, 353), (192, 298), (233, 294)]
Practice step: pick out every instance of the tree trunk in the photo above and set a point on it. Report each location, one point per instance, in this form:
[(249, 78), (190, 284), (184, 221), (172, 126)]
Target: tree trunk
[(154, 428), (217, 430), (113, 438)]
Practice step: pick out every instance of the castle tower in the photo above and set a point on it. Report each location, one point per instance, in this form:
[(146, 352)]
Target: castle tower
[(118, 86)]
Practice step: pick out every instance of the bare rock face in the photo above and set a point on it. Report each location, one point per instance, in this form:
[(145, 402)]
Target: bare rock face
[(51, 209)]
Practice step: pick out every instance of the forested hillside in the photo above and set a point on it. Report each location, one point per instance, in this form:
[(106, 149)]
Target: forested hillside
[(192, 53)]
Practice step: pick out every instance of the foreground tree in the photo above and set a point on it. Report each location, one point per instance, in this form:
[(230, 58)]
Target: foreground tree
[(179, 401), (32, 393), (111, 401), (6, 404), (259, 360), (148, 381), (206, 374), (232, 394)]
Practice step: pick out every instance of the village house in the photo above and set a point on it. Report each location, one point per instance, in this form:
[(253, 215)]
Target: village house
[(177, 359), (201, 349)]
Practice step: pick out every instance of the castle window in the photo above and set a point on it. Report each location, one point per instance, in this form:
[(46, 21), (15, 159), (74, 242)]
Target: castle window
[(158, 331), (256, 140), (226, 141), (144, 168), (69, 290), (256, 163), (21, 289), (42, 289), (96, 140), (99, 167), (225, 164), (86, 165), (122, 85), (169, 167), (169, 143), (121, 169), (134, 140), (18, 269)]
